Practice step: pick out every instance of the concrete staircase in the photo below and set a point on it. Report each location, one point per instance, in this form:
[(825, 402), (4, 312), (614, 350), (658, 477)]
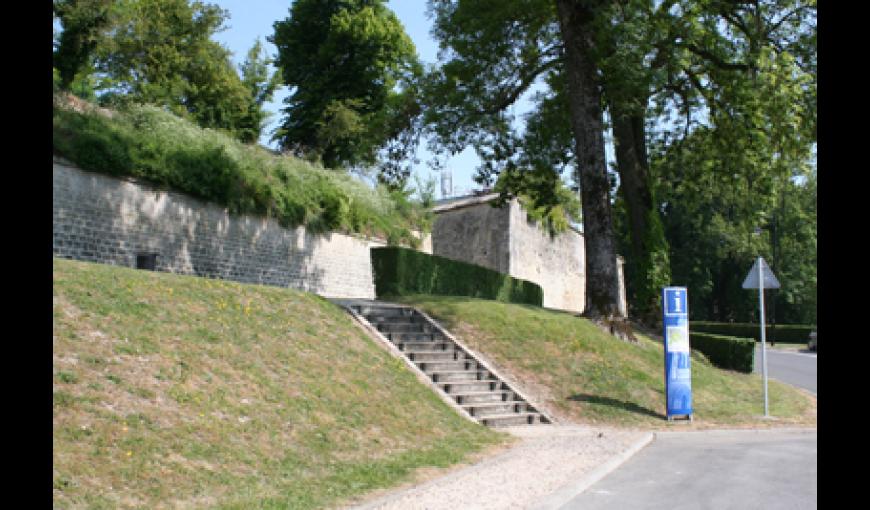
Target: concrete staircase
[(473, 387)]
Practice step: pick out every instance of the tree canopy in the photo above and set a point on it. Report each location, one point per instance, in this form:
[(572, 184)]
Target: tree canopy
[(351, 68), (261, 84), (161, 52), (659, 70), (83, 22)]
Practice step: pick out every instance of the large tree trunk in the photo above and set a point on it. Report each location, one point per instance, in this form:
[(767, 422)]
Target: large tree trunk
[(631, 162), (647, 267), (584, 93)]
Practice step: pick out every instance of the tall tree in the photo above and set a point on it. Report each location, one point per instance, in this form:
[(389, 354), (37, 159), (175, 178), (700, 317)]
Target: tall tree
[(742, 74), (578, 23), (161, 52), (495, 51), (716, 227), (83, 22), (351, 68), (794, 248), (261, 83), (643, 60), (635, 43)]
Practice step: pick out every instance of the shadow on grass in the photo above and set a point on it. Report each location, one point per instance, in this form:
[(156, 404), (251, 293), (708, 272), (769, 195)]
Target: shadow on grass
[(619, 404)]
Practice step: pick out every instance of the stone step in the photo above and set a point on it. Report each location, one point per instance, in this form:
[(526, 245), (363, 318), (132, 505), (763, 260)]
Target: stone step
[(423, 356), (448, 366), (507, 420), (384, 311), (417, 347), (452, 370), (482, 397), (404, 327), (413, 337), (390, 319), (462, 387), (480, 410), (431, 345), (461, 375)]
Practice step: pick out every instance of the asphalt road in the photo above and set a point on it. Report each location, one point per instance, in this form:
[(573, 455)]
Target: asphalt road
[(796, 368), (715, 470)]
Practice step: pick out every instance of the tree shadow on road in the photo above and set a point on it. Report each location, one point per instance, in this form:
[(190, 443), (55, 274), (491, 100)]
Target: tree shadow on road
[(621, 404)]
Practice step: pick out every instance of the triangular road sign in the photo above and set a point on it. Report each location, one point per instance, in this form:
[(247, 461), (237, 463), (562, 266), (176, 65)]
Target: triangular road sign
[(751, 281)]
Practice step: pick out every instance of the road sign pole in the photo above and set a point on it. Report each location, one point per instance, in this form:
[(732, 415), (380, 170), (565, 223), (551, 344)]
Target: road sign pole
[(761, 277), (763, 340)]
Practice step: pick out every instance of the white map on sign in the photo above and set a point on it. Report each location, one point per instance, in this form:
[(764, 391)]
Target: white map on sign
[(678, 339)]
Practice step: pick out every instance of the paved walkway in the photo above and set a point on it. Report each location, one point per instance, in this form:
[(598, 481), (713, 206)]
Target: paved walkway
[(548, 458), (740, 469)]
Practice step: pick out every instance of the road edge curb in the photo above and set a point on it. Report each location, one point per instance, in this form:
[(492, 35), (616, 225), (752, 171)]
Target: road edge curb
[(571, 490)]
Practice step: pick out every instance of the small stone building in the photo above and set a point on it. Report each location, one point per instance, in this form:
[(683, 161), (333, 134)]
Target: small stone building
[(471, 230)]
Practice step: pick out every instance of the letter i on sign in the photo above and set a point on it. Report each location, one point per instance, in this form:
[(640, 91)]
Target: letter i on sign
[(677, 302)]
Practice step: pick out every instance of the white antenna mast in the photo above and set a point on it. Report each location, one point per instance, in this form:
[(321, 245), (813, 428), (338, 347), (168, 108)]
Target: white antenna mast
[(446, 183)]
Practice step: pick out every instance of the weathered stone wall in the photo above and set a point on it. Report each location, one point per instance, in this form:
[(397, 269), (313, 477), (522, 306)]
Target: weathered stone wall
[(425, 241), (104, 219), (555, 263), (473, 232)]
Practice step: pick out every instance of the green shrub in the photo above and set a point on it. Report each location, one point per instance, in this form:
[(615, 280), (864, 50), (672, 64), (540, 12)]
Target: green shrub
[(724, 351), (785, 333), (156, 146), (400, 271)]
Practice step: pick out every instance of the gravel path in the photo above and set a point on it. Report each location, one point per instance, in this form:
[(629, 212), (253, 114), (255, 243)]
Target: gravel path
[(547, 458)]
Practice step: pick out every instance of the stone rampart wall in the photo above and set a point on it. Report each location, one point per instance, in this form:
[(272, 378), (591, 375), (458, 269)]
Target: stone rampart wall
[(108, 220), (555, 263), (503, 239), (477, 234)]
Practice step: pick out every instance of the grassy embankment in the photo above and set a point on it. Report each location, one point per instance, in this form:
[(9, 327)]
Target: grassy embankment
[(181, 392), (586, 376)]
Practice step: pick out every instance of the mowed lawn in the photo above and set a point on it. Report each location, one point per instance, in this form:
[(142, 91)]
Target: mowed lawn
[(181, 392), (583, 375)]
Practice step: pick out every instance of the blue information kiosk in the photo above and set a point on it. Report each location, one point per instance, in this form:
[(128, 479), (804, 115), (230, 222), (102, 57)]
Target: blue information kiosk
[(678, 370)]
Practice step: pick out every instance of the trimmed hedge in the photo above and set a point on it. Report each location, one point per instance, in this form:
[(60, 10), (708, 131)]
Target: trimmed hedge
[(401, 271), (784, 333), (725, 351)]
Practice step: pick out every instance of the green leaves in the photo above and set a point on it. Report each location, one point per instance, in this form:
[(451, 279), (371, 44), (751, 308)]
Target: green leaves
[(721, 210), (160, 52), (83, 22), (351, 66)]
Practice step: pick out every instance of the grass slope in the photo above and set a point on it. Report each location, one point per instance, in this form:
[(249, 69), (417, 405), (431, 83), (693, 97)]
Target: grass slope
[(585, 375), (181, 392)]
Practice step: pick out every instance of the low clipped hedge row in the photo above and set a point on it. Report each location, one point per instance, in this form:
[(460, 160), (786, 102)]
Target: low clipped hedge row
[(727, 352), (401, 271), (785, 333)]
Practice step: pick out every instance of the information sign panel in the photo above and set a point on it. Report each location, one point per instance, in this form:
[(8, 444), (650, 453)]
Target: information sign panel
[(678, 371)]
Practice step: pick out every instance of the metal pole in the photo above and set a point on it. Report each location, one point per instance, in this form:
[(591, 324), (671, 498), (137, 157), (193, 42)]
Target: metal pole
[(763, 342)]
